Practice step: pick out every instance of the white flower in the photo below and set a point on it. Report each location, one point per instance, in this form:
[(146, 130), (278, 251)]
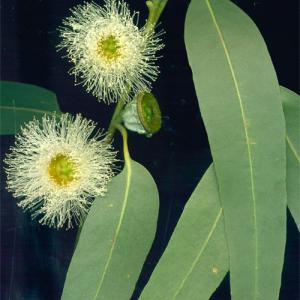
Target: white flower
[(57, 167), (110, 53)]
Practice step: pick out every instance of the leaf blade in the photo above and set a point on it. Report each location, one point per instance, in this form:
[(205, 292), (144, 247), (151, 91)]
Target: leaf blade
[(21, 102), (193, 263), (113, 269), (202, 286), (242, 114), (291, 108)]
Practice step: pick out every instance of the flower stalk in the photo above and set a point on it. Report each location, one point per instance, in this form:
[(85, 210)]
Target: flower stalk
[(116, 119), (155, 10)]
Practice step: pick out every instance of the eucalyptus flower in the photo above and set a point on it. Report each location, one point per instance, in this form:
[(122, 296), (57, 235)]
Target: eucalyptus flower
[(57, 166), (109, 52)]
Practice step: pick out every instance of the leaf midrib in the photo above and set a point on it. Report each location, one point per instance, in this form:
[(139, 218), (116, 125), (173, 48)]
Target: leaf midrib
[(293, 148), (128, 183), (246, 135), (196, 260), (14, 108)]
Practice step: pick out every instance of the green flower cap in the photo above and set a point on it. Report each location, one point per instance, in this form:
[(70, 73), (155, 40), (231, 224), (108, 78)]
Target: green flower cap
[(142, 115), (149, 112)]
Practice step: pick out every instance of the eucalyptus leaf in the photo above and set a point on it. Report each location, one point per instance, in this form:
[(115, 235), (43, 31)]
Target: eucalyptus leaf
[(291, 108), (115, 238), (196, 258), (238, 95), (21, 102)]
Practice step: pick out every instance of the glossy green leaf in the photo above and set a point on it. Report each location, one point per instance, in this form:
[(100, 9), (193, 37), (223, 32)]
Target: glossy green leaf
[(291, 108), (196, 259), (115, 239), (238, 96), (21, 102)]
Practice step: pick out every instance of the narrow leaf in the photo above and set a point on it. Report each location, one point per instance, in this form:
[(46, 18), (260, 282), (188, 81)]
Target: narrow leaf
[(238, 95), (196, 259), (291, 108), (115, 239), (21, 102)]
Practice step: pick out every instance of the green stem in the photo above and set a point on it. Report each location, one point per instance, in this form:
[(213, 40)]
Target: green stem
[(151, 17), (124, 134), (116, 118), (155, 8)]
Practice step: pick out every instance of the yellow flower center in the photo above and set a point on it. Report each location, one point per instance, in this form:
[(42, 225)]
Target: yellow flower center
[(62, 169), (109, 48)]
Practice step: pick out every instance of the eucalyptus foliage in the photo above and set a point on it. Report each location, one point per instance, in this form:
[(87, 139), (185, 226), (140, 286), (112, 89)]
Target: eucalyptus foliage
[(235, 220)]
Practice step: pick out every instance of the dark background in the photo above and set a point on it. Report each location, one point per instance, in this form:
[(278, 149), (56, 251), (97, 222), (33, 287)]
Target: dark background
[(34, 258)]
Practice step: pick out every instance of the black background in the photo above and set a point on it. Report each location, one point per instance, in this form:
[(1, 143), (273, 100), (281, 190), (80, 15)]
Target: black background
[(34, 258)]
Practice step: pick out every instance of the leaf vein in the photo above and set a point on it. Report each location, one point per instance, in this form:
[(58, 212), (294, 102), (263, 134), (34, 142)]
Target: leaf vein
[(293, 148), (26, 109), (199, 254), (250, 158), (128, 183)]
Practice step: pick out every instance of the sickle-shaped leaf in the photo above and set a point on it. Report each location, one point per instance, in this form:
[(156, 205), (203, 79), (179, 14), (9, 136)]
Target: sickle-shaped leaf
[(115, 239), (21, 102), (196, 259), (238, 96)]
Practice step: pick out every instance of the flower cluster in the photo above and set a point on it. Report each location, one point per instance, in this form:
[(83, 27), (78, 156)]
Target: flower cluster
[(111, 55), (58, 166)]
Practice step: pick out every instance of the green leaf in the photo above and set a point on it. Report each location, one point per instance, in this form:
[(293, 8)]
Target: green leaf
[(115, 238), (21, 102), (238, 95), (196, 259), (291, 108)]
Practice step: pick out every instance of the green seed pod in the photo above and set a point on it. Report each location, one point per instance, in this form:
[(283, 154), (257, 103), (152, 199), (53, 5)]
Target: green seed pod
[(143, 115), (149, 112)]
